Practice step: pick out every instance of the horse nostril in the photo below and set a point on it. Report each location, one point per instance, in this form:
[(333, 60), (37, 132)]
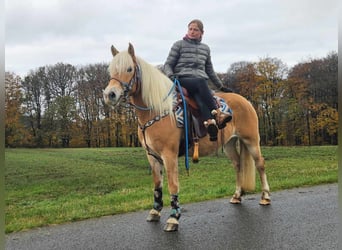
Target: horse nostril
[(111, 95)]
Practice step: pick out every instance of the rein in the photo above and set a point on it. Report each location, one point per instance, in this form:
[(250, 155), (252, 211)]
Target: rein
[(185, 118)]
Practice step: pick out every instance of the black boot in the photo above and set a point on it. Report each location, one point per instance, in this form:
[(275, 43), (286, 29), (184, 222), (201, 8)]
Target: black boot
[(212, 129)]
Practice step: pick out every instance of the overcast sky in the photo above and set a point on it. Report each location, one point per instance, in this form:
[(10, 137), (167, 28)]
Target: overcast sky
[(80, 32)]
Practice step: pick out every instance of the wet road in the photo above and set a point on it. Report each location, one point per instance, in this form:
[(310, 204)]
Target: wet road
[(305, 218)]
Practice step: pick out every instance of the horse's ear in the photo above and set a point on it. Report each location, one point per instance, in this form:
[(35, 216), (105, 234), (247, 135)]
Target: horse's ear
[(131, 52), (114, 50)]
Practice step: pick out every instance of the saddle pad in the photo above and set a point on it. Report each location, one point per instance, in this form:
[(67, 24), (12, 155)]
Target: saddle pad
[(179, 109)]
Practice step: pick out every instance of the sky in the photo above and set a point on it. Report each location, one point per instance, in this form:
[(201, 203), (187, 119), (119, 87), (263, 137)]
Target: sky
[(46, 32)]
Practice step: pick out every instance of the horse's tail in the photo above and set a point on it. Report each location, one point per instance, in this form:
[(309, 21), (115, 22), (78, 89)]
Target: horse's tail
[(247, 168)]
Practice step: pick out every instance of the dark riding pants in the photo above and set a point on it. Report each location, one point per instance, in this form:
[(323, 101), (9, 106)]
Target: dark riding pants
[(198, 89)]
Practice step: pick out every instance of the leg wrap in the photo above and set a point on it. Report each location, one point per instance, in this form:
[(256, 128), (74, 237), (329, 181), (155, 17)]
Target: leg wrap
[(158, 199), (175, 208)]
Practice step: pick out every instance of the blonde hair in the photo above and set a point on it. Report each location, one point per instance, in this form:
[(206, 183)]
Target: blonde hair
[(156, 88)]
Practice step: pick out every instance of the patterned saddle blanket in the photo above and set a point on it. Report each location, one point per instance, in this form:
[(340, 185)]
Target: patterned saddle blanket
[(196, 120)]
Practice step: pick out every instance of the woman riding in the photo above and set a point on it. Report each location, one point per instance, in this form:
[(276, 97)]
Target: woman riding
[(189, 61)]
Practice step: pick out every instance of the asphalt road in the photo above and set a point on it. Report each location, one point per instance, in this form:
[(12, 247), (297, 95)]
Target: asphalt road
[(305, 218)]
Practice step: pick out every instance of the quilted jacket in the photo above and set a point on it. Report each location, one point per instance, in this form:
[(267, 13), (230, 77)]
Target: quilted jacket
[(191, 58)]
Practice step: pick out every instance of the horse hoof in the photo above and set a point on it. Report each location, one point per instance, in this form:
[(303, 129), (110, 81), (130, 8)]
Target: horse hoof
[(195, 160), (171, 225), (235, 200), (153, 216), (265, 202)]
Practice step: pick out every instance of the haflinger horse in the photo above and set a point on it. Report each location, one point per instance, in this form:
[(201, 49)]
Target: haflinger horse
[(134, 81)]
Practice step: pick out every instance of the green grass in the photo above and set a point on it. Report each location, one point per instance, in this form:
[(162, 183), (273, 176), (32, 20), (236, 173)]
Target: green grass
[(52, 186)]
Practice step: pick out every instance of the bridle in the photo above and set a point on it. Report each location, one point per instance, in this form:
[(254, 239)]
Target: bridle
[(127, 88)]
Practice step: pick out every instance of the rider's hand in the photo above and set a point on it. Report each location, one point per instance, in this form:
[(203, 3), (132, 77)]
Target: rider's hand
[(225, 89), (173, 77)]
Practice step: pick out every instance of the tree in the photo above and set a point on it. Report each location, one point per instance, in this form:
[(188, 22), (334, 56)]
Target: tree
[(60, 83), (269, 92), (91, 108), (320, 77), (15, 132), (241, 77), (33, 86), (296, 104)]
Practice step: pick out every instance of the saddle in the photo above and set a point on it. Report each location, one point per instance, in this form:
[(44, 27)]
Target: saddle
[(196, 128)]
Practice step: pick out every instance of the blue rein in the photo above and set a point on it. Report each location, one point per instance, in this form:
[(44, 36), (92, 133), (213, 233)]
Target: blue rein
[(185, 117)]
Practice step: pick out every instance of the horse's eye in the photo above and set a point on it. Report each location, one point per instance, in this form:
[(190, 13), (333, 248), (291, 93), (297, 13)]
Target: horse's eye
[(129, 69)]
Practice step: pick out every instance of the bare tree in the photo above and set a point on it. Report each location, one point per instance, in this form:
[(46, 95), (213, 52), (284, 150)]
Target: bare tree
[(34, 101), (91, 82)]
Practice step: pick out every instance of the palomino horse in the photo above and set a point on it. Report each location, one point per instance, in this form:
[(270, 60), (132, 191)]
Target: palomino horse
[(146, 88)]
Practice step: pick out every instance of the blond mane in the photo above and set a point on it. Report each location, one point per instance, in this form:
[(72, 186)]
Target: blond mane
[(155, 86)]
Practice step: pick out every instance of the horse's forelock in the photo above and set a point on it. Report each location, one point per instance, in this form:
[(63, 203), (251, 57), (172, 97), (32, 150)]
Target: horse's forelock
[(120, 63)]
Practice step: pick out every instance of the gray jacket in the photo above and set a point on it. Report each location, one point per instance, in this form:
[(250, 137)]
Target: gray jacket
[(191, 58)]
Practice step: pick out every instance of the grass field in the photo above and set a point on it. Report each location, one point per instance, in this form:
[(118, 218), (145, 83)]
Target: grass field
[(52, 186)]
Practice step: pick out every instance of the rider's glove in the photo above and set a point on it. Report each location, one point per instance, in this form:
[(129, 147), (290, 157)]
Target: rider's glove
[(225, 89)]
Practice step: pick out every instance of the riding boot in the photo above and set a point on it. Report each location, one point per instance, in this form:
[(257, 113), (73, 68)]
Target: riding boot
[(221, 117), (212, 129)]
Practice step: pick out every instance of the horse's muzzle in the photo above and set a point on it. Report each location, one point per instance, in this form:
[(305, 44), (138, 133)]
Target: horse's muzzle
[(111, 96)]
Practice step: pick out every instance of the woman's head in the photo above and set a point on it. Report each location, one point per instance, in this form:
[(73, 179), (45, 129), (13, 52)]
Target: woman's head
[(195, 29)]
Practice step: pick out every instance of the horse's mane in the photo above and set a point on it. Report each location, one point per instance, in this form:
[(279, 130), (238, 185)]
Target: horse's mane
[(155, 86)]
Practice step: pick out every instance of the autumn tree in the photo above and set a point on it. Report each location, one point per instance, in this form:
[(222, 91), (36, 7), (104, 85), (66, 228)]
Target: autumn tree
[(241, 77), (15, 132), (320, 106), (62, 105), (262, 83)]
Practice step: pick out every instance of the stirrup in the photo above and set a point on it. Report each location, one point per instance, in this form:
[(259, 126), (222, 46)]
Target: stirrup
[(221, 117), (208, 122)]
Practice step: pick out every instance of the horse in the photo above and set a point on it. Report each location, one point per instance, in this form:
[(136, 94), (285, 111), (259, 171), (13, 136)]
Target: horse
[(135, 82)]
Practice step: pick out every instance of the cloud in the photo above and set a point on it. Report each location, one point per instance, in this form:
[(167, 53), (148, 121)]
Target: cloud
[(40, 32)]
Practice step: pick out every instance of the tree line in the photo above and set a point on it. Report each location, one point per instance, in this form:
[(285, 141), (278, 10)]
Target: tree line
[(61, 105)]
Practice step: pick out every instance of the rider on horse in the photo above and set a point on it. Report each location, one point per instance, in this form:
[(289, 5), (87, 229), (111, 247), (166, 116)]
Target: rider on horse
[(189, 61)]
